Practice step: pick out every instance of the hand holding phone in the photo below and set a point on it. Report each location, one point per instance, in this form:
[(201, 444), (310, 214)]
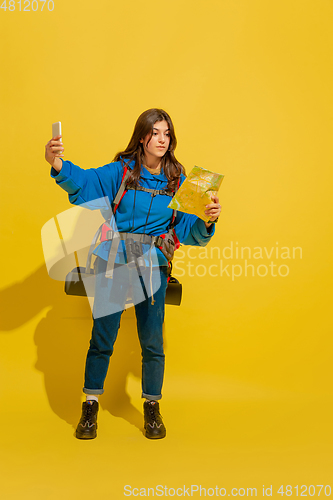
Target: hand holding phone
[(54, 148)]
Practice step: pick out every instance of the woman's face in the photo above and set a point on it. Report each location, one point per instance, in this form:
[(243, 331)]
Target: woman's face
[(159, 142)]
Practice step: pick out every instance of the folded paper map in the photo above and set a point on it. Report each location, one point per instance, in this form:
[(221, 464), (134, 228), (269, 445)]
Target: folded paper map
[(196, 191)]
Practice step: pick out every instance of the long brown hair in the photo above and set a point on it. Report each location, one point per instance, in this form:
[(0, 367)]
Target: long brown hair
[(134, 151)]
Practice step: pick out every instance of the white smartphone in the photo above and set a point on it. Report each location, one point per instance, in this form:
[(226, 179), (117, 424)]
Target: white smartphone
[(56, 129)]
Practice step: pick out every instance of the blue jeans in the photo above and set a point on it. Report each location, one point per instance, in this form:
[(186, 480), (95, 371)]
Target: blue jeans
[(150, 320)]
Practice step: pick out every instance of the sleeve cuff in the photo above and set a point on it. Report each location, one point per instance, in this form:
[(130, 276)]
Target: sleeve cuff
[(64, 172), (205, 232)]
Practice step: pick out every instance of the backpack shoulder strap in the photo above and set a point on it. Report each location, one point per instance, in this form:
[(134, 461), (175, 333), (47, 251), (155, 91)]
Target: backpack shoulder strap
[(174, 214), (122, 189)]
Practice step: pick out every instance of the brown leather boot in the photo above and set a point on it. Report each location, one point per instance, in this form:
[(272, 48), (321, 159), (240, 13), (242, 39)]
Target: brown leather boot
[(154, 427), (87, 426)]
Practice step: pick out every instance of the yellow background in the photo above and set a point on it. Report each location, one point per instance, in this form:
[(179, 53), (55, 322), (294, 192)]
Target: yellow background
[(247, 399)]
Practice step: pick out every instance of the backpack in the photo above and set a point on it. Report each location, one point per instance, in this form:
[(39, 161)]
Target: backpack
[(167, 243)]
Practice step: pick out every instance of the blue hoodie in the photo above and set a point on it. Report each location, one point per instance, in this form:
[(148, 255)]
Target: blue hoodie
[(96, 188)]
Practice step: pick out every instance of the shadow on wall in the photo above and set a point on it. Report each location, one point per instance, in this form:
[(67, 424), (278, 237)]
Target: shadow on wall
[(62, 340)]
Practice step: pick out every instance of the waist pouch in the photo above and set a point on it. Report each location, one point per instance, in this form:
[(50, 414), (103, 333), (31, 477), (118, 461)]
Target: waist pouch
[(167, 242)]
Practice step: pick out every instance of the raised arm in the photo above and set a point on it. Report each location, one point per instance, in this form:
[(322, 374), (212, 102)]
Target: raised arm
[(94, 187)]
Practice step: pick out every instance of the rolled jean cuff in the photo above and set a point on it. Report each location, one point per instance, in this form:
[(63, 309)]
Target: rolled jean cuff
[(151, 398), (92, 392)]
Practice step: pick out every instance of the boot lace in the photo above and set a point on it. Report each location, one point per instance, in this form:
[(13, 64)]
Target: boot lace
[(87, 413), (154, 413)]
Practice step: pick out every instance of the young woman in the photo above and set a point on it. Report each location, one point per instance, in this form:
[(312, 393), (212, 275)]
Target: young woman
[(134, 252)]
